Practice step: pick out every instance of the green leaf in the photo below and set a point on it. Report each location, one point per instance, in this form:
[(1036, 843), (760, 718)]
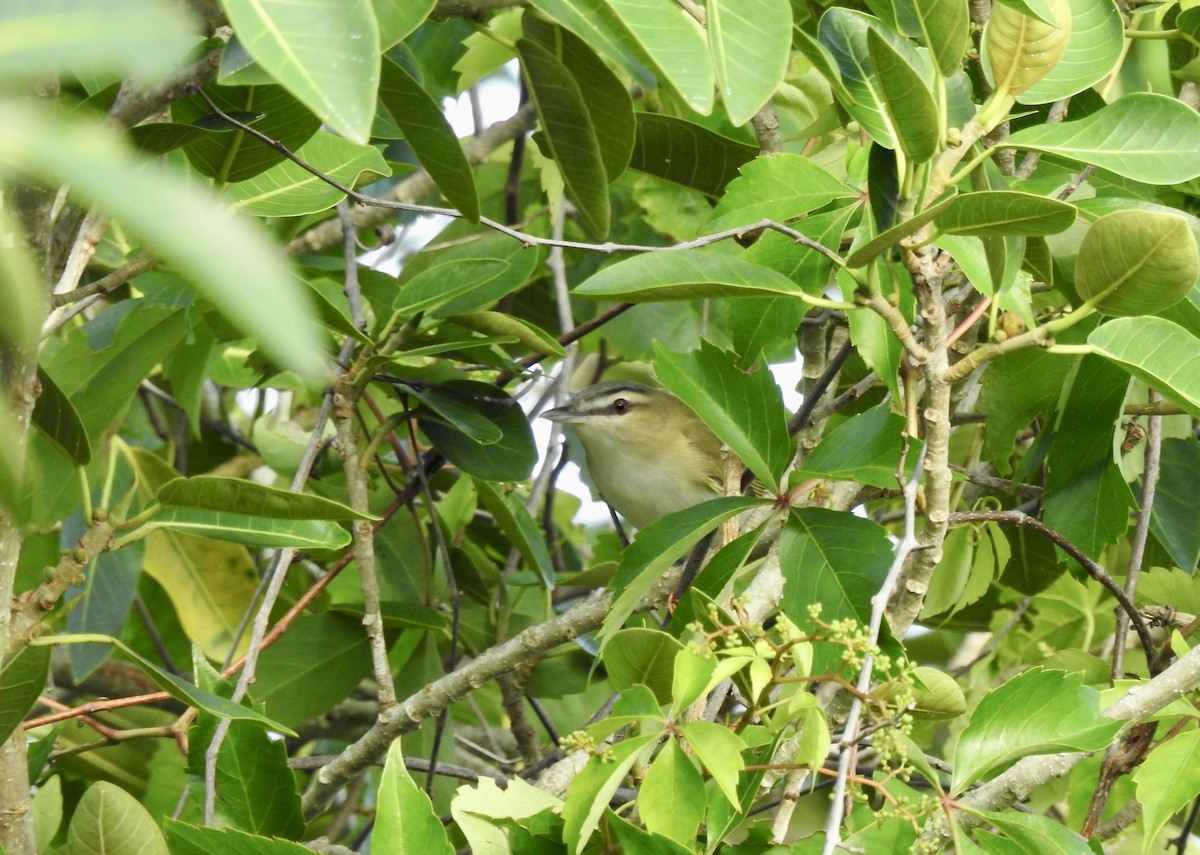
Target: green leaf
[(1167, 781), (464, 278), (570, 136), (1172, 519), (866, 448), (780, 187), (178, 688), (1019, 50), (943, 26), (230, 155), (314, 666), (510, 458), (398, 18), (104, 601), (1037, 712), (692, 673), (193, 840), (671, 798), (745, 410), (1149, 138), (642, 657), (656, 547), (55, 416), (337, 74), (592, 788), (288, 189), (1037, 834), (108, 820), (606, 97), (43, 38), (255, 789), (526, 334), (177, 220), (513, 519), (658, 35), (1159, 352), (1094, 49), (687, 153), (425, 128), (906, 98), (21, 683), (405, 821), (252, 531), (239, 496), (1005, 212), (719, 750), (750, 42), (843, 32), (687, 274), (638, 841), (836, 559), (1136, 262), (886, 240)]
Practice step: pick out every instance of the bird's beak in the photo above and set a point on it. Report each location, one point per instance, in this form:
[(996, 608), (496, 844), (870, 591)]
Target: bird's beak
[(562, 415)]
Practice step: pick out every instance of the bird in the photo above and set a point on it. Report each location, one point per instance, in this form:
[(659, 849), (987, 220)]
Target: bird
[(648, 453)]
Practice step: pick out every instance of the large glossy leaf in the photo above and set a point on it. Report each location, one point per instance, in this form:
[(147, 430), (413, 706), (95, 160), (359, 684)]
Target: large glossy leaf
[(1031, 832), (1172, 519), (592, 788), (55, 416), (687, 153), (942, 25), (719, 749), (289, 190), (886, 240), (606, 97), (1034, 713), (195, 840), (658, 34), (215, 493), (569, 134), (464, 278), (229, 155), (256, 791), (510, 458), (1019, 50), (104, 600), (252, 531), (514, 520), (313, 667), (108, 820), (177, 221), (405, 821), (21, 682), (658, 546), (325, 52), (843, 32), (175, 686), (836, 559), (1096, 45), (685, 275), (1168, 780), (1005, 212), (1146, 137), (44, 37), (1158, 351), (642, 656), (671, 799), (907, 99), (744, 409), (781, 187), (425, 128), (398, 18), (1136, 262), (865, 448), (749, 41)]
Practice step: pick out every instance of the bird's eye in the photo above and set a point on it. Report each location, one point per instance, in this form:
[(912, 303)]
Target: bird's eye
[(620, 406)]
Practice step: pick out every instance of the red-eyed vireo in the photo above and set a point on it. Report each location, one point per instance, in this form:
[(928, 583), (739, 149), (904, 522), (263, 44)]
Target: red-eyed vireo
[(647, 452)]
